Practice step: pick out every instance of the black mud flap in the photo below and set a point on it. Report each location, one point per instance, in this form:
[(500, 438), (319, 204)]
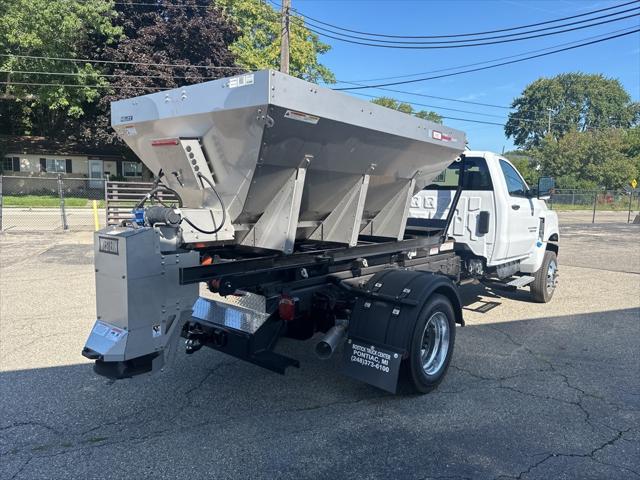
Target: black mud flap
[(383, 321), (372, 364)]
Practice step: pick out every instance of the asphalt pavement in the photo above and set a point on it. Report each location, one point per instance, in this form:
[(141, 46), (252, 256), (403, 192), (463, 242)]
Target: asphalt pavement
[(534, 391)]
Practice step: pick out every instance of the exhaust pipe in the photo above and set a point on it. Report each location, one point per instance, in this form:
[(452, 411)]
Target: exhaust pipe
[(327, 346)]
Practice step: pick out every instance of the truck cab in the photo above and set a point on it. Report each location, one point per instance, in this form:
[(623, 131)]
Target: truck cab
[(502, 228)]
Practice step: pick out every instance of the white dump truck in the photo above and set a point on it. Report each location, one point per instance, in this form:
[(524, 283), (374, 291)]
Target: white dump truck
[(283, 209)]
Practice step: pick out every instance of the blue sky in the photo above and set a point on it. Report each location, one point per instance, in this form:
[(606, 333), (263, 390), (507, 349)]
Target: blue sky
[(618, 58)]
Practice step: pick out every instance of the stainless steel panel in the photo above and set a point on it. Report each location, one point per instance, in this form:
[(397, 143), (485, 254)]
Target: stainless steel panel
[(256, 128)]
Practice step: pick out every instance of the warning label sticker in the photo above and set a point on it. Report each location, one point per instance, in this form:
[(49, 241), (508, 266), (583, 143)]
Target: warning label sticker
[(156, 331), (110, 333), (301, 117)]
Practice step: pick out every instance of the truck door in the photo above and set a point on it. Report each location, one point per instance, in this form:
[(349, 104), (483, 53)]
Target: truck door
[(522, 223), (433, 203)]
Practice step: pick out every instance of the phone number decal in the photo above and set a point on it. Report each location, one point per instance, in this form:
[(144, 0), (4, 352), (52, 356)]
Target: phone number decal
[(371, 357)]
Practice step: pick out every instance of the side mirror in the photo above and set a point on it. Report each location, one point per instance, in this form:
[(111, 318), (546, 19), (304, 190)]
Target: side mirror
[(545, 187)]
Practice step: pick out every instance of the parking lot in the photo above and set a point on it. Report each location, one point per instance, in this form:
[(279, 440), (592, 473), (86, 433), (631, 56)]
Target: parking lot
[(534, 391)]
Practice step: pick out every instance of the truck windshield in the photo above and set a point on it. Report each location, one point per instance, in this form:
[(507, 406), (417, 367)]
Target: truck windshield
[(476, 176)]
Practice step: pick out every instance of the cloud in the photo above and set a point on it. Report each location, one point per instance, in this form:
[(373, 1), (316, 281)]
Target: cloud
[(472, 96)]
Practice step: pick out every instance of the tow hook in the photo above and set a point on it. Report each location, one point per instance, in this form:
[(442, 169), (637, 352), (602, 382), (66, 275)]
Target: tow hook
[(192, 345), (194, 336)]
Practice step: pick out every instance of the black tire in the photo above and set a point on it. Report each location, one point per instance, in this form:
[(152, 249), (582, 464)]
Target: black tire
[(421, 380), (546, 278)]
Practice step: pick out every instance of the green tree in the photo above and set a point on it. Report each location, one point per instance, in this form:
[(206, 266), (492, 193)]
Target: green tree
[(599, 157), (258, 46), (51, 28), (632, 148), (429, 115), (406, 108), (198, 51), (527, 165), (575, 101), (393, 104)]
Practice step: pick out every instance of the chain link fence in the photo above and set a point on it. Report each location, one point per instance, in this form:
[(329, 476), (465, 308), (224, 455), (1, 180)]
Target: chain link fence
[(597, 206), (51, 204), (58, 204)]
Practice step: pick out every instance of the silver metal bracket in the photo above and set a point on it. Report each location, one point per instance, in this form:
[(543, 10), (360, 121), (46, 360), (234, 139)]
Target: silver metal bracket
[(196, 160), (276, 228), (342, 225), (391, 220)]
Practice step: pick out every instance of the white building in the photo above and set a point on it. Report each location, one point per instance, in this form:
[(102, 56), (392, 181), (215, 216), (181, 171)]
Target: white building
[(37, 156)]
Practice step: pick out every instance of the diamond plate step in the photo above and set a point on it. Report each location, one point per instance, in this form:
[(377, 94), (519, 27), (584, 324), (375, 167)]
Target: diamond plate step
[(520, 282)]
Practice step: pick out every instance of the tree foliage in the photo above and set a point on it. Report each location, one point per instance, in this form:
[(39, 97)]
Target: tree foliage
[(526, 164), (51, 28), (606, 157), (190, 35), (407, 108), (576, 101), (258, 46)]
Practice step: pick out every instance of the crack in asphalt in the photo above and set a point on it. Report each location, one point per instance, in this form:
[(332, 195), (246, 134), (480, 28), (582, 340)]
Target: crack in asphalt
[(80, 442), (590, 455), (31, 424)]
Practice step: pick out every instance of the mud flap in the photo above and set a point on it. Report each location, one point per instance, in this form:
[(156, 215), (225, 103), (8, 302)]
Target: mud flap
[(383, 320), (372, 364)]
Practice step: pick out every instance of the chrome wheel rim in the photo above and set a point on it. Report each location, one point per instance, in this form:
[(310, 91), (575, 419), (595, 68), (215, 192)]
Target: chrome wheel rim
[(552, 276), (435, 343)]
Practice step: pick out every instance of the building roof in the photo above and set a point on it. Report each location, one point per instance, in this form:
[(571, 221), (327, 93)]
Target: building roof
[(43, 145)]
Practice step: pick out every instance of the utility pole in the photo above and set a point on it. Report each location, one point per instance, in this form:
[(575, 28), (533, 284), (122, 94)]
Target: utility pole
[(549, 124), (284, 45)]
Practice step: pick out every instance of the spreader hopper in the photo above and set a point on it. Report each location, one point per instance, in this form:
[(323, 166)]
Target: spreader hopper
[(288, 159)]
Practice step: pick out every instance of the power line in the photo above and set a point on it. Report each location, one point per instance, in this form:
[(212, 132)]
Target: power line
[(40, 84), (529, 119), (156, 88), (33, 84), (87, 60), (432, 106), (98, 74), (162, 5), (495, 42), (306, 17), (353, 82), (519, 34), (584, 44)]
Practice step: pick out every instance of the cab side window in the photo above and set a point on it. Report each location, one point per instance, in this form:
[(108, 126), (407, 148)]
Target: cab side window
[(476, 176), (515, 184)]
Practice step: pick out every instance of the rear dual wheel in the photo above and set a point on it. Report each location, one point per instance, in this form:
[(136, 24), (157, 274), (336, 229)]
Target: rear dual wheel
[(432, 344)]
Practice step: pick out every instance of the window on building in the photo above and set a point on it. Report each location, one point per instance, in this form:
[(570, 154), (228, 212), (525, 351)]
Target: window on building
[(55, 165), (131, 169), (9, 163), (515, 184), (476, 176)]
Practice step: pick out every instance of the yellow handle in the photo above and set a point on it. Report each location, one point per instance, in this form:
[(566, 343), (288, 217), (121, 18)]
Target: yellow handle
[(95, 215)]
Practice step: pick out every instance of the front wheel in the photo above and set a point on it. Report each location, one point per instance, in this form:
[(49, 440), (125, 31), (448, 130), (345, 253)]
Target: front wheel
[(432, 344), (546, 278)]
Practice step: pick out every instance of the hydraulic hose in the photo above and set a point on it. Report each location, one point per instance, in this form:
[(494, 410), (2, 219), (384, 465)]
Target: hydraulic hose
[(224, 213), (152, 193)]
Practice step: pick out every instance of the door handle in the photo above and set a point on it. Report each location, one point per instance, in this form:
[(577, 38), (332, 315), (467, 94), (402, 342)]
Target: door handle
[(515, 206)]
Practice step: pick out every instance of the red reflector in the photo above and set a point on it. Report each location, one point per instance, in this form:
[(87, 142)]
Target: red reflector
[(164, 142), (287, 308)]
